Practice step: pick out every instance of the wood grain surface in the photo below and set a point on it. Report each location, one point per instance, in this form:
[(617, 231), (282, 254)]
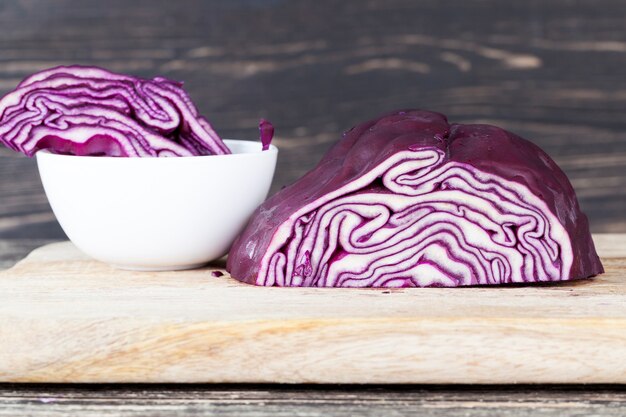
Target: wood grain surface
[(550, 71), (67, 318), (310, 401)]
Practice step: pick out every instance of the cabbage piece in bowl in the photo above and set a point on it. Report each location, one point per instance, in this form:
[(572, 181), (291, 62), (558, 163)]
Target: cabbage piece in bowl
[(89, 111)]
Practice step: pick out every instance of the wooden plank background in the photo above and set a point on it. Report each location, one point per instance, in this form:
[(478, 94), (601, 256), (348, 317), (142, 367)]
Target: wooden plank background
[(550, 71)]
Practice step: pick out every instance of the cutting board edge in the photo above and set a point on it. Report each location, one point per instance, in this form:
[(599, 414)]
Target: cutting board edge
[(395, 351)]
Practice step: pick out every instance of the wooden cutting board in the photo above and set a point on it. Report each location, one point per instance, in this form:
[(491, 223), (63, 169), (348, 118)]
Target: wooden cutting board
[(66, 318)]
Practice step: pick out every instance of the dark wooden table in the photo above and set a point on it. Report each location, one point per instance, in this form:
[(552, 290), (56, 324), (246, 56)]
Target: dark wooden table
[(310, 401), (554, 72)]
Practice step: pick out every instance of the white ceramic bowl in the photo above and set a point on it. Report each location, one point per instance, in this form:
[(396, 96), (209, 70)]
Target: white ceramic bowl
[(157, 214)]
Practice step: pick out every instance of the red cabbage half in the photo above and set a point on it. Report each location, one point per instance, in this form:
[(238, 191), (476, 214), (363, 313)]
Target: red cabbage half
[(90, 111), (409, 200)]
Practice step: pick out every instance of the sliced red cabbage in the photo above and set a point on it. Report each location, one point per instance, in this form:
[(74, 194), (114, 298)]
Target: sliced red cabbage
[(267, 133), (409, 200), (91, 111)]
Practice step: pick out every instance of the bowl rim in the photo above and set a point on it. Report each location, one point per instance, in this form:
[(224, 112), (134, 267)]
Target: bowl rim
[(273, 149)]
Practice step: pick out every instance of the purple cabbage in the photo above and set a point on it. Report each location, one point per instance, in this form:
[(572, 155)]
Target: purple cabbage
[(90, 111), (409, 200), (266, 130)]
